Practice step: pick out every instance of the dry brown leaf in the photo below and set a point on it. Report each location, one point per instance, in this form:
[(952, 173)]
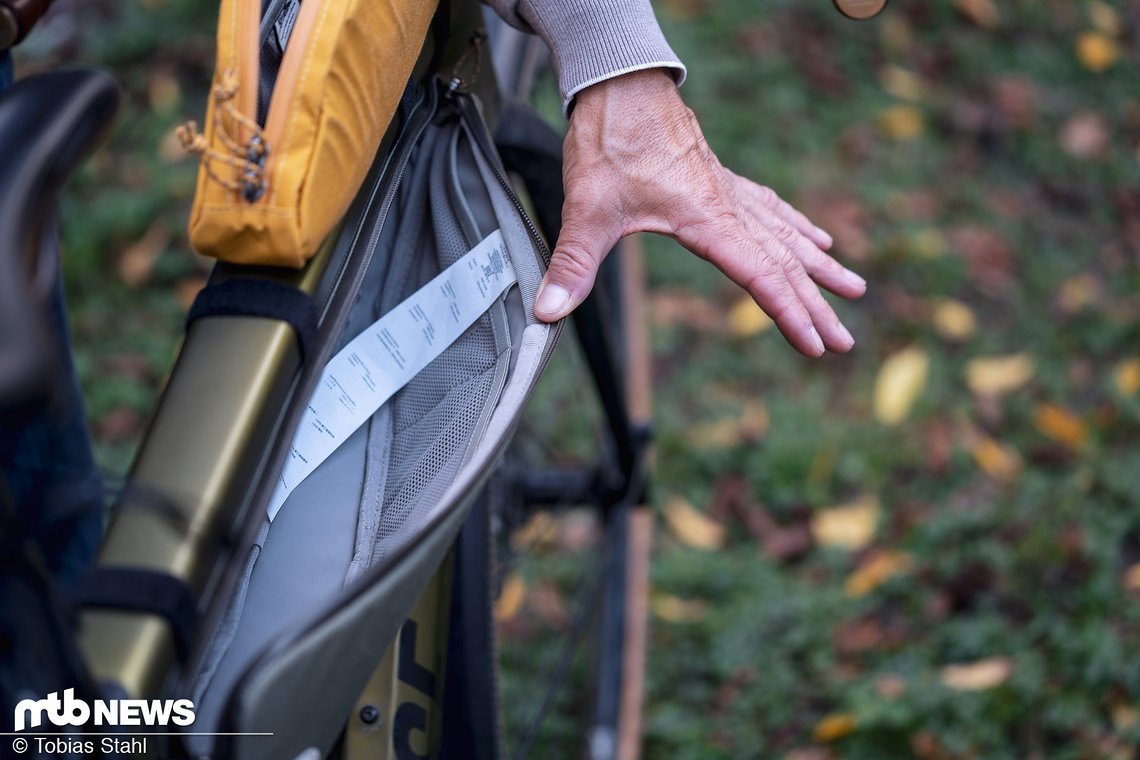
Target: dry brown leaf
[(1104, 17), (1061, 425), (900, 381), (677, 610), (850, 526), (903, 83), (982, 12), (1125, 717), (890, 686), (990, 258), (510, 598), (1086, 135), (997, 376), (875, 571), (1097, 51), (996, 460), (137, 262), (834, 727), (954, 320), (902, 122), (1126, 377), (671, 308), (1132, 578), (747, 427), (746, 318), (977, 676), (691, 527)]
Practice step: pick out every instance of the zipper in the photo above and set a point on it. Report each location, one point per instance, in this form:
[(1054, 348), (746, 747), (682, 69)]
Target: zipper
[(248, 66)]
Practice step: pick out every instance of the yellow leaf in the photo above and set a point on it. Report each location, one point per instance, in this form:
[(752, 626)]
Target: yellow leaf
[(1104, 17), (1061, 425), (678, 610), (899, 383), (748, 426), (850, 526), (876, 571), (903, 84), (511, 597), (999, 375), (953, 320), (1132, 578), (982, 12), (754, 420), (977, 676), (998, 461), (928, 243), (1126, 377), (746, 319), (1077, 292), (1097, 51), (691, 527), (1125, 717), (902, 122), (834, 727)]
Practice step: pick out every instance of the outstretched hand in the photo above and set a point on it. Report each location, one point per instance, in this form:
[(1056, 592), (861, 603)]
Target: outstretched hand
[(635, 160)]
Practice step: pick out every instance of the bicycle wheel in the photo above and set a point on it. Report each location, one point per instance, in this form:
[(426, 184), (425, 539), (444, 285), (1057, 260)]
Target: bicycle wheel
[(610, 607)]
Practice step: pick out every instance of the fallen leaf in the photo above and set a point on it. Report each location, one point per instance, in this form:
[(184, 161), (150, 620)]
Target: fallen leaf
[(541, 530), (1104, 17), (746, 319), (1015, 98), (547, 602), (997, 376), (691, 527), (875, 571), (1085, 135), (163, 91), (747, 427), (510, 597), (671, 308), (954, 320), (1125, 717), (850, 526), (1132, 578), (890, 686), (1097, 51), (899, 383), (170, 147), (810, 753), (1126, 377), (1061, 425), (844, 216), (903, 84), (1079, 291), (926, 746), (982, 12), (902, 122), (677, 610), (989, 256), (928, 243), (137, 262), (834, 727), (977, 676), (999, 462)]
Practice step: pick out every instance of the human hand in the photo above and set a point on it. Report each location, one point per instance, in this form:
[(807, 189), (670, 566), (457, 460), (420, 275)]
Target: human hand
[(635, 160)]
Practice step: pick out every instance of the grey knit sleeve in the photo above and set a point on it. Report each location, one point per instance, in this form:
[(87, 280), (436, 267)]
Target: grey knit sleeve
[(593, 40)]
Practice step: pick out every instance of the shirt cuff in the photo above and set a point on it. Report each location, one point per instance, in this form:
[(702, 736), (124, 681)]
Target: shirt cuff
[(595, 40)]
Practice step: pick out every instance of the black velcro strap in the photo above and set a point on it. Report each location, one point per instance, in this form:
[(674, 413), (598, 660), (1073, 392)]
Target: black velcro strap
[(249, 297), (136, 589)]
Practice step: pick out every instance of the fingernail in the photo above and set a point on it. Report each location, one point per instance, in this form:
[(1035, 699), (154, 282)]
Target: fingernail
[(822, 234), (817, 342), (551, 300), (846, 336), (854, 279)]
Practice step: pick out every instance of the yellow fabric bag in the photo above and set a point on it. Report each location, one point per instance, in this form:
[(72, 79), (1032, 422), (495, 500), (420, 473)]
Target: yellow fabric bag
[(270, 194)]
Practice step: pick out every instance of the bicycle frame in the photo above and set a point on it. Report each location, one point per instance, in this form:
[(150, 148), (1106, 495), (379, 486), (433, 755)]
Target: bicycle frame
[(239, 381)]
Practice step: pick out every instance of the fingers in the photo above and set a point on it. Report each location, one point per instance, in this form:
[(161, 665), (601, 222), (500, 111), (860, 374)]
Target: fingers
[(587, 236), (806, 241)]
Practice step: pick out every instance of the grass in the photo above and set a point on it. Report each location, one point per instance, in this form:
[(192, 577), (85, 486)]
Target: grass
[(985, 163)]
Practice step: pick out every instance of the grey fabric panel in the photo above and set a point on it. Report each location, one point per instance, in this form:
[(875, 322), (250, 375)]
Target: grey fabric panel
[(301, 568), (303, 690)]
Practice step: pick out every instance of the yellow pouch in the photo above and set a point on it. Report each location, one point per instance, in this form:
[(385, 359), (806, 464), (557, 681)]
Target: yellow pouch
[(270, 194)]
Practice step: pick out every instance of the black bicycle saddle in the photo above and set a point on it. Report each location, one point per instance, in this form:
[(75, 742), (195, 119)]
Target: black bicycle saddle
[(48, 124)]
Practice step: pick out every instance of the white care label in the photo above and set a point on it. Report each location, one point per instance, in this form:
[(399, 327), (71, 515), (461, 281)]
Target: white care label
[(382, 359)]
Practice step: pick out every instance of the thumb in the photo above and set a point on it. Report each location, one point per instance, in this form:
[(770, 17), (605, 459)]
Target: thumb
[(582, 245)]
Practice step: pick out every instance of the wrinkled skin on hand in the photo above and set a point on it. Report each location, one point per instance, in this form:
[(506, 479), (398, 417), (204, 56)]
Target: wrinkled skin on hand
[(635, 160)]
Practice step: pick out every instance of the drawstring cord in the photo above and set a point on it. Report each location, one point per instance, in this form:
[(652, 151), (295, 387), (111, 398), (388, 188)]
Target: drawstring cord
[(247, 161), (458, 82)]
